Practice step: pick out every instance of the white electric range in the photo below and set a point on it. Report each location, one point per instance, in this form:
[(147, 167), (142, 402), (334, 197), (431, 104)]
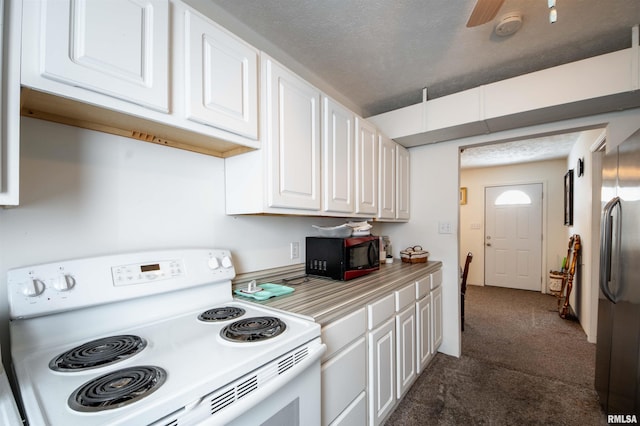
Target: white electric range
[(157, 338)]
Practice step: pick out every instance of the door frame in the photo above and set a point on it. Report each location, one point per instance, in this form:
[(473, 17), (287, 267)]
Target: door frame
[(479, 257), (541, 284)]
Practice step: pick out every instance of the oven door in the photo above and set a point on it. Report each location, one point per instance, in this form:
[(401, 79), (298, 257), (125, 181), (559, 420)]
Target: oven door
[(292, 399)]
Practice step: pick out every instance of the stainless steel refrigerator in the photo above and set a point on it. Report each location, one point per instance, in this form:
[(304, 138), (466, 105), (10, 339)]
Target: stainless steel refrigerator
[(617, 378)]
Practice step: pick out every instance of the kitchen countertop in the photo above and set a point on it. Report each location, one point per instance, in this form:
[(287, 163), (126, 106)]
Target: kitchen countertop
[(326, 300)]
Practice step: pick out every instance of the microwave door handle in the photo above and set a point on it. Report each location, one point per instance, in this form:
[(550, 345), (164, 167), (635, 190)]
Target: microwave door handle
[(372, 254), (606, 238)]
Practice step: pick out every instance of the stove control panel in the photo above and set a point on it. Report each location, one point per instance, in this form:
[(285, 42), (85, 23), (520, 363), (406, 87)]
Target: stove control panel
[(139, 273), (78, 283)]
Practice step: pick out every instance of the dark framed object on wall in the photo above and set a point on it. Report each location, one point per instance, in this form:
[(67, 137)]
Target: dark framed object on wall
[(568, 198)]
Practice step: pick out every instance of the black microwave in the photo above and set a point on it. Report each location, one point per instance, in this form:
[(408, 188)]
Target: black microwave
[(342, 258)]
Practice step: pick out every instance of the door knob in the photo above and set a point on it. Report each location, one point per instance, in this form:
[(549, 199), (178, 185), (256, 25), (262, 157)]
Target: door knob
[(488, 244)]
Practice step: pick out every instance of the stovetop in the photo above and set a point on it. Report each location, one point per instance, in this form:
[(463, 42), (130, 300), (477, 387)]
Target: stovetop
[(172, 331), (197, 361)]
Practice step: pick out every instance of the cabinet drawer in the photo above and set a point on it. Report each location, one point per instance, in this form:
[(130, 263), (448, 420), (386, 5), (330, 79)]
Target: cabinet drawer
[(355, 414), (381, 310), (423, 287), (436, 279), (405, 297), (338, 334), (343, 378)]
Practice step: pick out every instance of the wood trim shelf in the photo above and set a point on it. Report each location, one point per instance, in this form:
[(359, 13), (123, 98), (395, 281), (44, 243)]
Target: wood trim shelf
[(45, 106)]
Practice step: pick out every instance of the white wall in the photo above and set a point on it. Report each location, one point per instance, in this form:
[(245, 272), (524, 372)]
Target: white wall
[(586, 221), (85, 193), (550, 174), (434, 199)]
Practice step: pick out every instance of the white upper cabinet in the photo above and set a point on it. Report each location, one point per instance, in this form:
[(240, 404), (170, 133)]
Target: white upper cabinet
[(118, 47), (402, 183), (221, 77), (338, 158), (366, 168), (153, 70), (292, 132), (387, 171)]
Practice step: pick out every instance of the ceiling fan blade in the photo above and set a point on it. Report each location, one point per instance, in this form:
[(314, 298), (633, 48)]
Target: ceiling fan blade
[(484, 12)]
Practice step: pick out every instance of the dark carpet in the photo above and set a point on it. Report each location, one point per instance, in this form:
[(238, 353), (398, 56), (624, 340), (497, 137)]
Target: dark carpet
[(521, 364)]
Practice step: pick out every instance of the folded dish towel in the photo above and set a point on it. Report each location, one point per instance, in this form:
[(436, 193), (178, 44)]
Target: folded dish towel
[(268, 290)]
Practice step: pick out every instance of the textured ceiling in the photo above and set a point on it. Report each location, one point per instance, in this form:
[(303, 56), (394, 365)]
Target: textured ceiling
[(380, 54), (524, 151)]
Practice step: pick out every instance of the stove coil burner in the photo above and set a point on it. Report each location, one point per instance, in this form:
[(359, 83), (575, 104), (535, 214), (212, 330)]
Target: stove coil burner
[(221, 314), (117, 389), (98, 353), (253, 329)]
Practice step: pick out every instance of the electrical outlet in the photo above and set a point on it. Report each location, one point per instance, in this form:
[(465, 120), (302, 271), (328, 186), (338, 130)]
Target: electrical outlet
[(294, 250)]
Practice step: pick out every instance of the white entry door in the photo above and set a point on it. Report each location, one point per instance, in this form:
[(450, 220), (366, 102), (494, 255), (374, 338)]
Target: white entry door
[(513, 239)]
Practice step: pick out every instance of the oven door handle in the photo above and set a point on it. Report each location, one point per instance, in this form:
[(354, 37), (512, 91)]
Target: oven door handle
[(245, 404)]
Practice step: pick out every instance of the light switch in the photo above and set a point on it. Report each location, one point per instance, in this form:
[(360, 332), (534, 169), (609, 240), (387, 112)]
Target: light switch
[(444, 228)]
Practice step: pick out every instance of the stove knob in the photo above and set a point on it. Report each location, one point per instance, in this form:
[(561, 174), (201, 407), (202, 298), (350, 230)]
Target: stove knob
[(33, 288), (64, 283), (213, 263), (226, 262)]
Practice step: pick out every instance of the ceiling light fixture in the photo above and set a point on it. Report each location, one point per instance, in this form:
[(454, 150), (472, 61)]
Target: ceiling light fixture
[(553, 13)]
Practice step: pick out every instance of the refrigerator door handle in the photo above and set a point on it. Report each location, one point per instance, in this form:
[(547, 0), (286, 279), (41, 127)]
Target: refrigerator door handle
[(606, 248)]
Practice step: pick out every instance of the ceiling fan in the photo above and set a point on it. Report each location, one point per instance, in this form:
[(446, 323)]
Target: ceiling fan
[(483, 12)]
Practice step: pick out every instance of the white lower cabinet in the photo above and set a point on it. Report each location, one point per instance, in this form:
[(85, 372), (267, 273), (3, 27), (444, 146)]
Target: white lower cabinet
[(406, 339), (423, 332), (344, 377), (376, 353), (423, 322), (382, 363), (381, 359), (344, 371), (436, 308), (355, 414), (436, 322)]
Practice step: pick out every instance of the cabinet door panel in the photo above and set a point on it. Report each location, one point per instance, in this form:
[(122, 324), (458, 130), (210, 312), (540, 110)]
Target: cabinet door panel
[(355, 414), (222, 78), (381, 372), (423, 324), (338, 151), (366, 168), (402, 183), (293, 134), (343, 378), (406, 349), (436, 319), (119, 48), (387, 171)]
